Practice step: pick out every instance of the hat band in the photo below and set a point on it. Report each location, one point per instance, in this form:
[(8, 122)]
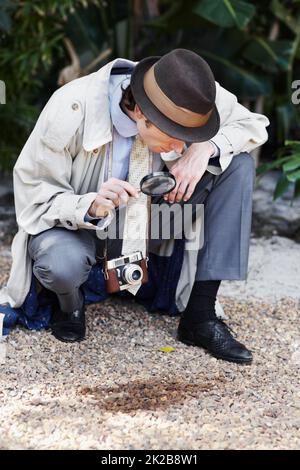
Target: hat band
[(182, 116)]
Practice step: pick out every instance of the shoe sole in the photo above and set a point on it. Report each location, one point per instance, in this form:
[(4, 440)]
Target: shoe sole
[(68, 340), (223, 358)]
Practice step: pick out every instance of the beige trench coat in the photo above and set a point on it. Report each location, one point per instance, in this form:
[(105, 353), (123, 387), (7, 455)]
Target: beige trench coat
[(70, 133)]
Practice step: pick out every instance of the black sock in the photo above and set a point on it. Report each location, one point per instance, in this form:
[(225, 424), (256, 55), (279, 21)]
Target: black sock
[(201, 305)]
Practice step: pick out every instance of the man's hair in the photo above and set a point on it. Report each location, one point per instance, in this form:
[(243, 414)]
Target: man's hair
[(127, 99), (128, 102)]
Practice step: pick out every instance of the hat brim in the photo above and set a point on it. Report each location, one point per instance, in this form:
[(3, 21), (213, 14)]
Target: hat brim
[(166, 125)]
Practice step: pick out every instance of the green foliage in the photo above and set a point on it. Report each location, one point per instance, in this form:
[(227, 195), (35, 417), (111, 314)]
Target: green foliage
[(226, 13), (236, 37), (30, 41), (32, 53), (289, 160)]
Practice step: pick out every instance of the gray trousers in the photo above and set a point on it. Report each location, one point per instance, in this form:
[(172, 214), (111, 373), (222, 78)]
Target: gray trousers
[(63, 258)]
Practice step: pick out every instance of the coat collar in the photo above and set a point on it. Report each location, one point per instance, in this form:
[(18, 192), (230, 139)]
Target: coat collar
[(97, 124)]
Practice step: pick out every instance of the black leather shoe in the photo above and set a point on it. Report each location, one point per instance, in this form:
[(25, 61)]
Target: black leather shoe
[(69, 326), (216, 338)]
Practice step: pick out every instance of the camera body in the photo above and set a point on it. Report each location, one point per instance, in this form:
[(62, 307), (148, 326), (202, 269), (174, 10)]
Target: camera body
[(125, 271)]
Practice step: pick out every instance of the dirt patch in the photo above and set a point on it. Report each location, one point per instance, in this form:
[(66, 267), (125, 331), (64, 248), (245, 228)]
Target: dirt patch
[(148, 395)]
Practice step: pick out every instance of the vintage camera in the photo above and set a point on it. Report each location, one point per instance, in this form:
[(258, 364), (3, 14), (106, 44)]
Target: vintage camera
[(125, 271)]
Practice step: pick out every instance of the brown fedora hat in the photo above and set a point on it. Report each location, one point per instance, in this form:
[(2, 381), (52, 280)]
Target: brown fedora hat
[(177, 93)]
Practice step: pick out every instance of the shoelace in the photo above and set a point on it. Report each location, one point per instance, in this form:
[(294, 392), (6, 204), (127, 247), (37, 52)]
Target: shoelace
[(227, 326)]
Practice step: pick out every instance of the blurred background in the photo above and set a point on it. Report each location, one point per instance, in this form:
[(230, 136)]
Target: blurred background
[(253, 48)]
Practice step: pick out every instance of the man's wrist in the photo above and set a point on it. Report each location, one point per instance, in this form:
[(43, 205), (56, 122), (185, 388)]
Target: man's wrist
[(206, 149), (212, 148), (216, 152)]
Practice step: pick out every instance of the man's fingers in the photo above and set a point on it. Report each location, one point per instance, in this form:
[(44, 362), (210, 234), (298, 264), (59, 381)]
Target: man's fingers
[(120, 191), (190, 190), (131, 190), (181, 191), (117, 195), (172, 195), (123, 197), (102, 201), (113, 196), (102, 205)]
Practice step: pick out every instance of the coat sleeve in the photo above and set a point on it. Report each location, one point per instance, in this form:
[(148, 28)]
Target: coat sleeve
[(240, 129), (44, 196)]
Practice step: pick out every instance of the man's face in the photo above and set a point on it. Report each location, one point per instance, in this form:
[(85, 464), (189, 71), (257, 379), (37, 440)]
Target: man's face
[(156, 140)]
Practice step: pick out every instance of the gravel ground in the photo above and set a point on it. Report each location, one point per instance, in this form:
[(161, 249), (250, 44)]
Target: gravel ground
[(273, 274), (117, 390)]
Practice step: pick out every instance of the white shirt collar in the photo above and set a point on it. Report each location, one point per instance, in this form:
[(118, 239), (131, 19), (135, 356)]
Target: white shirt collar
[(124, 125)]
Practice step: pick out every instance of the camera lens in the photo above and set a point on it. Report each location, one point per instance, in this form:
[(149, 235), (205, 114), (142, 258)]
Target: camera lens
[(132, 273)]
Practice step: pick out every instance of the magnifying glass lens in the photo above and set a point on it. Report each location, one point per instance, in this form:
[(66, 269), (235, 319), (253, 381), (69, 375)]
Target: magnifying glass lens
[(158, 183)]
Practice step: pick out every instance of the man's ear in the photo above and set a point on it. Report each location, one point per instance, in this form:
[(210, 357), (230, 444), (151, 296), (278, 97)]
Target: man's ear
[(138, 113)]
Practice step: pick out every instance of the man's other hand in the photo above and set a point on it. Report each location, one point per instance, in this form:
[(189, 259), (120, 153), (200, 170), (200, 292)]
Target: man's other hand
[(188, 171)]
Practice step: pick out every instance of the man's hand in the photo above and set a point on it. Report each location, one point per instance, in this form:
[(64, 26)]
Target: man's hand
[(112, 194), (188, 171)]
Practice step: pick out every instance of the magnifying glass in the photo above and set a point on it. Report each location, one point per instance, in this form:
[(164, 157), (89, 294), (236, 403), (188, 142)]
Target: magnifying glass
[(158, 183)]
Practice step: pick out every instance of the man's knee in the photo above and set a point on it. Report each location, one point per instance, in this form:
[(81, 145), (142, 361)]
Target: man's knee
[(63, 270), (243, 163)]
